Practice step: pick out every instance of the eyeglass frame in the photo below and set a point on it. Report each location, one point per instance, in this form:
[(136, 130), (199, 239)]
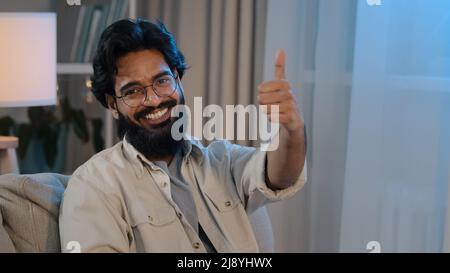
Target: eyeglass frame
[(153, 88)]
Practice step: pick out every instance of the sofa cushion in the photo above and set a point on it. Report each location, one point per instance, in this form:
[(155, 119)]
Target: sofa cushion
[(6, 245), (29, 205)]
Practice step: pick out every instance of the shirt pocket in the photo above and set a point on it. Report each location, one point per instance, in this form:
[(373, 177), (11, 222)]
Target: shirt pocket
[(231, 218), (157, 229), (222, 200), (159, 216)]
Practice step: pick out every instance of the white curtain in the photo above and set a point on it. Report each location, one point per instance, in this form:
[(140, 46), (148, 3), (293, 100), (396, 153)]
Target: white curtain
[(318, 37), (398, 157), (374, 88)]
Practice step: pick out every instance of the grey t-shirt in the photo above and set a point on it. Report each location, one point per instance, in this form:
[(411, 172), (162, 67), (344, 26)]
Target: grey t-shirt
[(182, 195)]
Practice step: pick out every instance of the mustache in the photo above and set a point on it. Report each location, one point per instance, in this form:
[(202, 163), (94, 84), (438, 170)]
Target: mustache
[(148, 110)]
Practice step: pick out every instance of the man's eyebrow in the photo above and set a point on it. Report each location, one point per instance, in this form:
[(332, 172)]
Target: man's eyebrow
[(134, 83)]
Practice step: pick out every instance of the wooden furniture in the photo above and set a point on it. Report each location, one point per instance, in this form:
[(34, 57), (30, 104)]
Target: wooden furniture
[(8, 158)]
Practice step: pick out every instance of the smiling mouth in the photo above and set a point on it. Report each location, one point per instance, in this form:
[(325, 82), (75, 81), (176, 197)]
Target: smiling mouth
[(157, 116)]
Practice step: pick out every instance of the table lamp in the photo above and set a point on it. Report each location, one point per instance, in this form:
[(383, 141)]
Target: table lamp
[(27, 70)]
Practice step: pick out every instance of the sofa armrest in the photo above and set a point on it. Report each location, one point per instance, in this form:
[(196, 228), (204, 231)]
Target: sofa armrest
[(30, 208)]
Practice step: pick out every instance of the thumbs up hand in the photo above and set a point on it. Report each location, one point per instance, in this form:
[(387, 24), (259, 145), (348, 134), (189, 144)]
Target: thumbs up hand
[(278, 92)]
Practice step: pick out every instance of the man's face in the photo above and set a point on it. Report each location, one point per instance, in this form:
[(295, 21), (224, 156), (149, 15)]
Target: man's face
[(140, 69), (148, 125)]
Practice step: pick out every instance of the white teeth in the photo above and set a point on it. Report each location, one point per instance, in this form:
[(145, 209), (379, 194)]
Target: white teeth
[(157, 114)]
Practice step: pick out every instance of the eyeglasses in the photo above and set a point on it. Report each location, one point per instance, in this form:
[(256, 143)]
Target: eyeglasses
[(163, 86)]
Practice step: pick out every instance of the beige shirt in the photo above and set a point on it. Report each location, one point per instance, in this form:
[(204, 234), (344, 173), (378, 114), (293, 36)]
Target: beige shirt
[(118, 201)]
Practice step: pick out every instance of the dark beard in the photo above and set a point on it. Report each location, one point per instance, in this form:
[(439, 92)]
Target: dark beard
[(153, 144)]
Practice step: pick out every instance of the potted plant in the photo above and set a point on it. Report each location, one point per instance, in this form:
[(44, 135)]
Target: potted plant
[(43, 140)]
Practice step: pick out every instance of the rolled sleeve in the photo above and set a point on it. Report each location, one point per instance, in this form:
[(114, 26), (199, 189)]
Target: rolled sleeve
[(248, 168), (276, 195)]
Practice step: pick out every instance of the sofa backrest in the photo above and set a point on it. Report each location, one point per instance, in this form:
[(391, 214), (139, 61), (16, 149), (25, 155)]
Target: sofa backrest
[(29, 205)]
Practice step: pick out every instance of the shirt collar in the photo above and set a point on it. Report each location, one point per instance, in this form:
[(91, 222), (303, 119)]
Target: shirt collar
[(193, 146), (190, 146)]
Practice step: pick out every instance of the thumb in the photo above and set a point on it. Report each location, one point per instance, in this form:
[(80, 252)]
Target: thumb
[(280, 60)]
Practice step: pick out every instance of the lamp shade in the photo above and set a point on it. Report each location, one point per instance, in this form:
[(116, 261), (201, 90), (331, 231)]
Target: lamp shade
[(27, 59)]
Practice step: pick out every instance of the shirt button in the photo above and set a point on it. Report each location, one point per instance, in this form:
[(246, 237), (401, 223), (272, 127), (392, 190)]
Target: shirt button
[(227, 204), (179, 215), (164, 184), (196, 245)]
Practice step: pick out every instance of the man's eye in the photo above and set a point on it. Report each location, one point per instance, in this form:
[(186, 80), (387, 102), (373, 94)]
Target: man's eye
[(132, 92), (162, 81)]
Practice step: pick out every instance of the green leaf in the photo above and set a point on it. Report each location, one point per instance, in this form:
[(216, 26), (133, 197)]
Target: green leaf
[(66, 110), (6, 124), (36, 115), (97, 138), (40, 117), (80, 125), (24, 133), (50, 142)]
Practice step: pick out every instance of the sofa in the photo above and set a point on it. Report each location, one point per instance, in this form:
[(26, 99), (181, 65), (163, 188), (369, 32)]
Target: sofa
[(29, 210)]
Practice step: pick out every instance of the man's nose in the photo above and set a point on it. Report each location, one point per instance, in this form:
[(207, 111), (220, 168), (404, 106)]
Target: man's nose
[(152, 99)]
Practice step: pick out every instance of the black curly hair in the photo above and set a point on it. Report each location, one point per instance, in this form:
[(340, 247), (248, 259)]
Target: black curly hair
[(123, 37)]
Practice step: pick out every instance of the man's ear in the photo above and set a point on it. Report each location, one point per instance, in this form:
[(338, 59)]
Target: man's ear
[(112, 106)]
